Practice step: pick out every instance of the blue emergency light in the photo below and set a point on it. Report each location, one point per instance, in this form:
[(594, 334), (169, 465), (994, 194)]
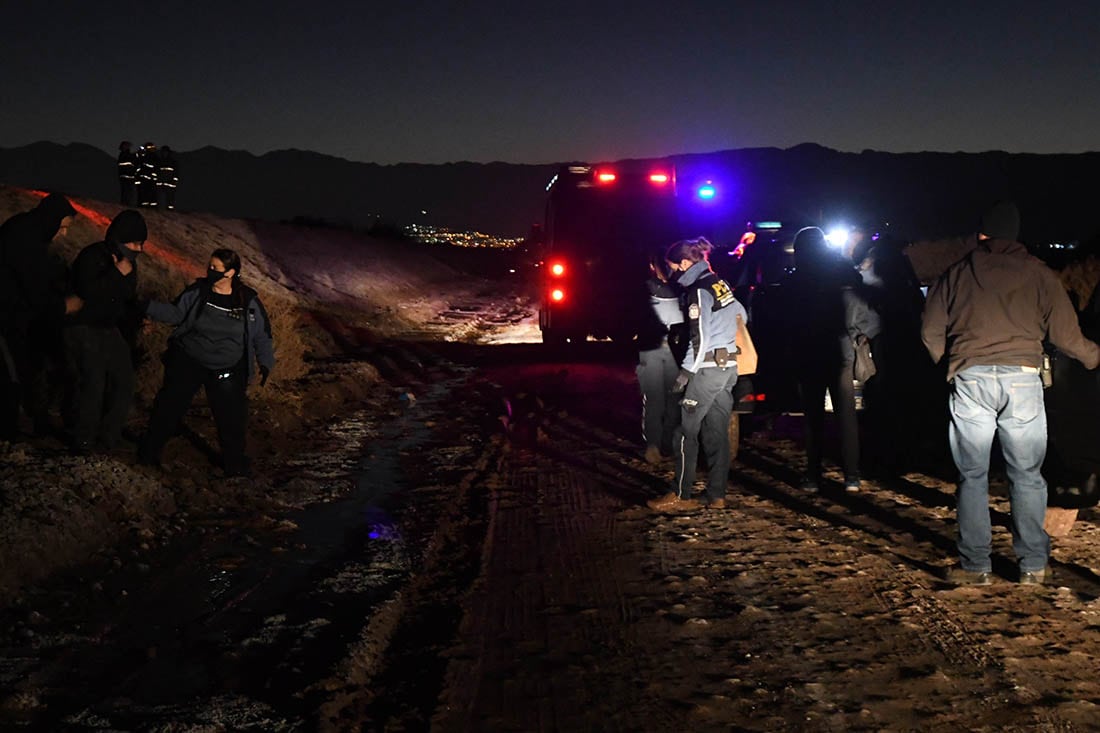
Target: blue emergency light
[(706, 191)]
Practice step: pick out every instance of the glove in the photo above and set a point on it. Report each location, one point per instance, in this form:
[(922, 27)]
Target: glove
[(681, 382), (264, 372)]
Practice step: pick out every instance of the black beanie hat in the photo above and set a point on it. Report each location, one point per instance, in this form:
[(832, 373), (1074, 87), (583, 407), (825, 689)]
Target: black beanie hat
[(127, 226), (55, 207), (1001, 221)]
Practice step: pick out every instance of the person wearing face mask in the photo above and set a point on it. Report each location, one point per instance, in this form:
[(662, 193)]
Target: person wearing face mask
[(221, 329), (104, 276)]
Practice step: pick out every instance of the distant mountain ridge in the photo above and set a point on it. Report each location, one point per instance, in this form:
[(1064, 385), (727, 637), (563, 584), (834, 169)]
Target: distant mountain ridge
[(925, 194)]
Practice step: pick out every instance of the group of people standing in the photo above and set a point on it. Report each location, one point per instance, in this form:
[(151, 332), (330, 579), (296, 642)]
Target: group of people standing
[(147, 176), (985, 319), (73, 330)]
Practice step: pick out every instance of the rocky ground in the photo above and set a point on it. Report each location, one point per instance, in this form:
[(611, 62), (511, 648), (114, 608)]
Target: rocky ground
[(447, 530)]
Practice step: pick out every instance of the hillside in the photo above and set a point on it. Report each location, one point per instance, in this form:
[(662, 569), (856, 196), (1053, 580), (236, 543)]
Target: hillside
[(330, 295), (921, 195)]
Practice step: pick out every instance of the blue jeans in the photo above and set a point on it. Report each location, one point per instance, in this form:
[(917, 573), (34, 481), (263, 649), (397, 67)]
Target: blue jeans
[(1006, 401)]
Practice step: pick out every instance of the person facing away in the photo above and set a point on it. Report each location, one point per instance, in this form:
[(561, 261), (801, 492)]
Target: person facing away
[(221, 329), (708, 372), (657, 365), (988, 315), (127, 174), (31, 308), (824, 312), (105, 277)]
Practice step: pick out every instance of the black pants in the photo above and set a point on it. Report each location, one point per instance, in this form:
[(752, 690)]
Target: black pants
[(812, 386), (228, 401), (30, 359), (103, 386), (127, 191)]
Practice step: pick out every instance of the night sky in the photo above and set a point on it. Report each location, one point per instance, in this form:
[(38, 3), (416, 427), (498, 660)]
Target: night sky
[(539, 82)]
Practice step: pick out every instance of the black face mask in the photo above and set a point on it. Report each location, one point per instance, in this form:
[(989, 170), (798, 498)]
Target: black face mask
[(213, 277), (121, 250)]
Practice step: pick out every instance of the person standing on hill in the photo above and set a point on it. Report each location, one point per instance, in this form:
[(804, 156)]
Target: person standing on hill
[(127, 174), (147, 175), (221, 329), (988, 314), (168, 177), (31, 307), (105, 277), (708, 372)]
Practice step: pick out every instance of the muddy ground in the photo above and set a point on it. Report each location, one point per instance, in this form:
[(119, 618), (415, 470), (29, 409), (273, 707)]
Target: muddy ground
[(447, 531)]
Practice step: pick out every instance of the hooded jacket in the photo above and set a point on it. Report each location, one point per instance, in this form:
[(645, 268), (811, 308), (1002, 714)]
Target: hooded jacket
[(995, 307), (27, 272), (184, 311)]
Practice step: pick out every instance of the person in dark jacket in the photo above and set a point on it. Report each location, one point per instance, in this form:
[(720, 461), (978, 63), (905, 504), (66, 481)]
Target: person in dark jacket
[(988, 314), (127, 174), (147, 175), (168, 177), (32, 304), (824, 313), (221, 330), (708, 372), (105, 277), (657, 364)]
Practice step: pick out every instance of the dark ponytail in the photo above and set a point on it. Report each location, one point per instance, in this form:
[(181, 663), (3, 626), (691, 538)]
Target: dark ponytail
[(696, 250)]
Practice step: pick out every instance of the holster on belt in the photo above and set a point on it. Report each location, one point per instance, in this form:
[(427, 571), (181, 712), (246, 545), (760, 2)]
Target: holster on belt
[(721, 357)]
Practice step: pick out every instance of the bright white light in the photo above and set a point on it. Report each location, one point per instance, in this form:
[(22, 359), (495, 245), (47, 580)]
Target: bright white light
[(837, 237)]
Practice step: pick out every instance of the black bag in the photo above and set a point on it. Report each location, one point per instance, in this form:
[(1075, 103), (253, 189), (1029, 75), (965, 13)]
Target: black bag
[(865, 364)]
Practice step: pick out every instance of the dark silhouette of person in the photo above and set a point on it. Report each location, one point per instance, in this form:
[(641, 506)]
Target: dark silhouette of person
[(127, 174), (147, 175), (105, 277), (168, 177), (658, 363), (899, 412), (32, 303), (823, 311)]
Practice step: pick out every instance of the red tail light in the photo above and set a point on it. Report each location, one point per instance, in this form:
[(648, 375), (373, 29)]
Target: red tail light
[(557, 269), (557, 295)]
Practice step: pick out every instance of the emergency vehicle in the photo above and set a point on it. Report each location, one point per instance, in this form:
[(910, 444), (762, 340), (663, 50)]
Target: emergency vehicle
[(602, 222)]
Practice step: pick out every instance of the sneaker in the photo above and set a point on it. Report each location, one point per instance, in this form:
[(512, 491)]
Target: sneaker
[(961, 576), (672, 503), (652, 455), (717, 504), (1035, 577)]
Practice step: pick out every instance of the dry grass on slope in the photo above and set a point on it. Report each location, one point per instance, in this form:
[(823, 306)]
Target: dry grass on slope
[(304, 277)]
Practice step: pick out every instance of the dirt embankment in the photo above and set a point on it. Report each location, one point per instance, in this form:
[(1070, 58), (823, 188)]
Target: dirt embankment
[(330, 295)]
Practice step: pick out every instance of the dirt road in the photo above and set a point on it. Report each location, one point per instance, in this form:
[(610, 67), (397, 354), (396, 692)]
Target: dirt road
[(486, 563)]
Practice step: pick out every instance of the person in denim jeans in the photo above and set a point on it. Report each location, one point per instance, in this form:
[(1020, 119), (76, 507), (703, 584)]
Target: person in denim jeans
[(989, 313)]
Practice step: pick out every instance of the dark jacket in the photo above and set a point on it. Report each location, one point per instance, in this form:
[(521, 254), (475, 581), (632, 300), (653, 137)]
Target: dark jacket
[(661, 309), (28, 290), (184, 311), (109, 297), (824, 309), (995, 307)]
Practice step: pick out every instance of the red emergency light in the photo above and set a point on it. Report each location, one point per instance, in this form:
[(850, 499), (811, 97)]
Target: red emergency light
[(557, 295), (659, 179), (605, 177), (557, 269)]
